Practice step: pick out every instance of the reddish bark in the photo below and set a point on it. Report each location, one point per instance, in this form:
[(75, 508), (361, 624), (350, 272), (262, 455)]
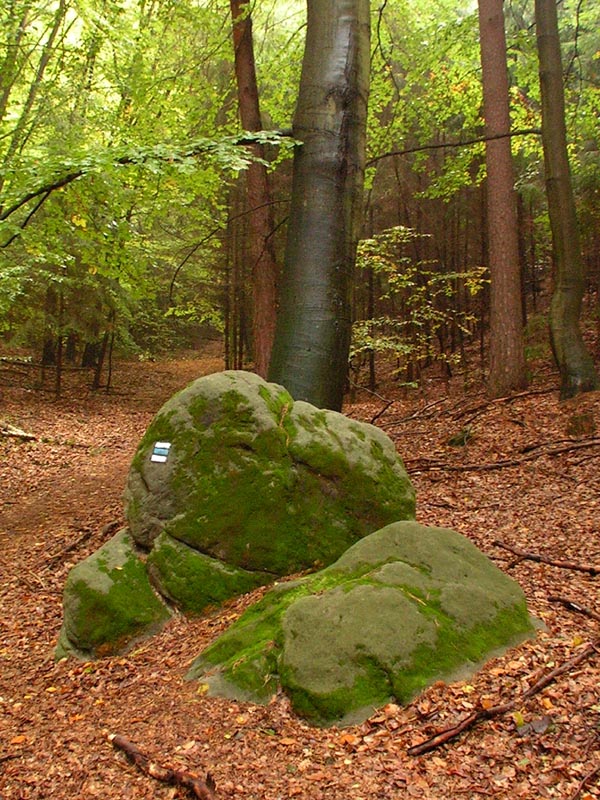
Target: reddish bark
[(507, 356), (261, 246)]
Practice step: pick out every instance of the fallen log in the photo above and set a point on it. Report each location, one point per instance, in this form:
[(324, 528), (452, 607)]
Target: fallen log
[(203, 789)]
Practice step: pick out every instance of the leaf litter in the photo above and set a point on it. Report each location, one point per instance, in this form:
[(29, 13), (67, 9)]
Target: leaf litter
[(60, 499)]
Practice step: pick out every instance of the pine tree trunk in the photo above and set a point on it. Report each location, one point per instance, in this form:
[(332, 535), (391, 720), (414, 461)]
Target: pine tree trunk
[(261, 246), (507, 357), (310, 353), (576, 366)]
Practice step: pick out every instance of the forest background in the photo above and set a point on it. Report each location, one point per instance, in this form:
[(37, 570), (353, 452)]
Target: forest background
[(124, 230), (124, 217)]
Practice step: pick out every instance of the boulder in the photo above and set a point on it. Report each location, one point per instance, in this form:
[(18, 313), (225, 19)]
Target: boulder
[(236, 470), (108, 602), (402, 608), (233, 485)]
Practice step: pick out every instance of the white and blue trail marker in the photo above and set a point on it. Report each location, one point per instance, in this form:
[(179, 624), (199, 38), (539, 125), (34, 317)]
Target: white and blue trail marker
[(160, 452)]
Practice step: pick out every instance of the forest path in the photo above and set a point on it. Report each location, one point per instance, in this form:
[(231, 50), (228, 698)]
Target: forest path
[(60, 498)]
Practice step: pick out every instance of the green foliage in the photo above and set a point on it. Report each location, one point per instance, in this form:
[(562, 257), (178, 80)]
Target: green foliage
[(423, 296), (118, 139), (119, 142)]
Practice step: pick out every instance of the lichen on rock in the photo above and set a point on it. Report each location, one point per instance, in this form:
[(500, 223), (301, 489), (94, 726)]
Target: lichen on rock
[(400, 609)]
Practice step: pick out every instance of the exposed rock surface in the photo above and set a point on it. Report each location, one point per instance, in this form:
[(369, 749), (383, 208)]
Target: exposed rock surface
[(403, 607)]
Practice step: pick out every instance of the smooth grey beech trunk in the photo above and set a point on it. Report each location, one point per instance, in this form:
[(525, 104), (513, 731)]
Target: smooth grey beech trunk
[(312, 339), (577, 372)]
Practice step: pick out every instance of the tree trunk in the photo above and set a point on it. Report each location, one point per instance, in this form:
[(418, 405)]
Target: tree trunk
[(310, 353), (507, 357), (261, 245), (576, 366)]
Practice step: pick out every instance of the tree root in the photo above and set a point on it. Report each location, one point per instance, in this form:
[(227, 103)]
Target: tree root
[(205, 790)]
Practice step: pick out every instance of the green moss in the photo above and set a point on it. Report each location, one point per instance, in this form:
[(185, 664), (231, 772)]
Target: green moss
[(457, 649), (194, 581), (369, 627), (108, 600), (260, 482), (370, 689)]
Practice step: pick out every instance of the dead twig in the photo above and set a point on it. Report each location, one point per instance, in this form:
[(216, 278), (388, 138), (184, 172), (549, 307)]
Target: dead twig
[(572, 606), (56, 558), (523, 555), (9, 430), (420, 412), (585, 781), (204, 789), (482, 714), (506, 399), (505, 462), (381, 412)]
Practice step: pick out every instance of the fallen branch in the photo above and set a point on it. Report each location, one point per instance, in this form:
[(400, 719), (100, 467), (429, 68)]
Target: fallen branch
[(205, 790), (572, 606), (381, 412), (496, 400), (9, 430), (523, 555), (481, 714), (420, 412), (87, 533), (505, 462), (585, 781)]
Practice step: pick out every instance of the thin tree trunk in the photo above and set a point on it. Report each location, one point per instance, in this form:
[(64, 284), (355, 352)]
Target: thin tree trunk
[(576, 366), (310, 353), (9, 67), (261, 245), (507, 356), (19, 129)]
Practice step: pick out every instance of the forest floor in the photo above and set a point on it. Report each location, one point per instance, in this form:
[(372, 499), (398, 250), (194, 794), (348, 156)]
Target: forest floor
[(528, 476)]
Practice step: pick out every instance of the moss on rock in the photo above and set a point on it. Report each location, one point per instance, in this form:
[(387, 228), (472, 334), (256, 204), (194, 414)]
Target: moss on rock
[(400, 609), (261, 482), (194, 581), (108, 602)]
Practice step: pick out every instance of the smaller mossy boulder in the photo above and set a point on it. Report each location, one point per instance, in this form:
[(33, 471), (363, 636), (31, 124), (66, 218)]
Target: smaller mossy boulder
[(108, 602), (403, 607), (236, 470)]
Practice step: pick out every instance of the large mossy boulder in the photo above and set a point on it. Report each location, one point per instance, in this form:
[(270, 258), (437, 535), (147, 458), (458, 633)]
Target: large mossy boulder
[(251, 479), (403, 607), (108, 602), (233, 485)]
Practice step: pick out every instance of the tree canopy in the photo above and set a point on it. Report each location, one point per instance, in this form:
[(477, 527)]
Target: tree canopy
[(121, 207)]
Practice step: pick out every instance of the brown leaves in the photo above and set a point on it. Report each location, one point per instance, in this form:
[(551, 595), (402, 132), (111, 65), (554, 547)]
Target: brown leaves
[(52, 715)]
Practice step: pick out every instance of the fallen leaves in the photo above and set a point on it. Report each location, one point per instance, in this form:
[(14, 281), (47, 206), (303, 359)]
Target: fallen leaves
[(53, 715)]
